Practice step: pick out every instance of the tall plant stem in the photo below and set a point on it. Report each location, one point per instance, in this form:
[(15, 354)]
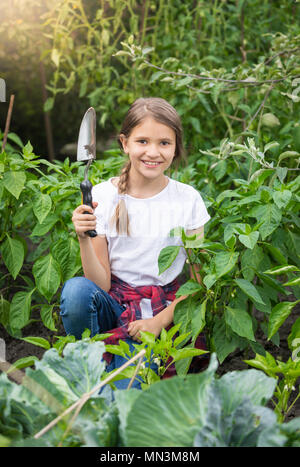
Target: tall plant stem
[(47, 120), (191, 264)]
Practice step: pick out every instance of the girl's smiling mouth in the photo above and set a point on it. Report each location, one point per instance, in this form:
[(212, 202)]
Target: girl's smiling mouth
[(151, 164)]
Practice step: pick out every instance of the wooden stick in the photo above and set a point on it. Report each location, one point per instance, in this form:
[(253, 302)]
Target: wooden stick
[(8, 118), (87, 395), (135, 373)]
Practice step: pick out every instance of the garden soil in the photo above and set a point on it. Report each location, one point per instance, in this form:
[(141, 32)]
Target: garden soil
[(17, 348)]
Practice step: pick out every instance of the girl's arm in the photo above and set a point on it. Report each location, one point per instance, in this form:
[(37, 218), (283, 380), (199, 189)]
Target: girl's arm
[(165, 317), (93, 251)]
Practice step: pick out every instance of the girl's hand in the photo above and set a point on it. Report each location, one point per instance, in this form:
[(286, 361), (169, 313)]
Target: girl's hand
[(149, 325), (84, 222)]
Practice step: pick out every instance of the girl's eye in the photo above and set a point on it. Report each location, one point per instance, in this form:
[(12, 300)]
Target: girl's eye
[(165, 143), (142, 141)]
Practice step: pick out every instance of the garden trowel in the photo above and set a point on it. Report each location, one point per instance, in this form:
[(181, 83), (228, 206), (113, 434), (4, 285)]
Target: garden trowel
[(86, 151)]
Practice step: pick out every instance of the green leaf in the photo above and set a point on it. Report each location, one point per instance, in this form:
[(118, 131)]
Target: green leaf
[(67, 254), (20, 309), (240, 322), (39, 341), (225, 262), (47, 275), (237, 420), (209, 280), (41, 206), (27, 151), (266, 294), (249, 240), (166, 257), (196, 124), (286, 154), (23, 362), (198, 319), (294, 336), (282, 198), (44, 227), (265, 363), (224, 341), (49, 103), (293, 282), (274, 283), (147, 337), (250, 384), (250, 262), (278, 315), (12, 251), (270, 145), (4, 311), (55, 57), (186, 352), (276, 253), (270, 120), (249, 289), (125, 400), (15, 138), (281, 269), (115, 350), (170, 427), (14, 182), (281, 173), (47, 316), (188, 288), (270, 215), (81, 367), (22, 215)]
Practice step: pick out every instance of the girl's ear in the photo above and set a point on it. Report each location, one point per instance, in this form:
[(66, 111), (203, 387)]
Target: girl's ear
[(123, 140)]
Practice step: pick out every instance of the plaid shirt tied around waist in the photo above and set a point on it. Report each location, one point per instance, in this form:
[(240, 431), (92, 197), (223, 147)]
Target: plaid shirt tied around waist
[(130, 297)]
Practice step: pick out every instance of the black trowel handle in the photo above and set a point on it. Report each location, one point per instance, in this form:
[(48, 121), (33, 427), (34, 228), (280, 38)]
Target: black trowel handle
[(86, 190)]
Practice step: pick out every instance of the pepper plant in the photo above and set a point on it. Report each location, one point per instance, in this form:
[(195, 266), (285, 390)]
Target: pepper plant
[(252, 237), (286, 385)]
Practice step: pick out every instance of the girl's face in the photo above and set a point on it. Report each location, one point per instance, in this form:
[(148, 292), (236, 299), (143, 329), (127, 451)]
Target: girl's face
[(151, 148)]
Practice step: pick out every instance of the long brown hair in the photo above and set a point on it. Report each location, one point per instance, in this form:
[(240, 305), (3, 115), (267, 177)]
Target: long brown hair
[(161, 111)]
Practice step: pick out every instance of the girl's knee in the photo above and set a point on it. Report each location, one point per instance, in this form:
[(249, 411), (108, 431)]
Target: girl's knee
[(76, 288), (74, 295), (79, 295), (76, 305)]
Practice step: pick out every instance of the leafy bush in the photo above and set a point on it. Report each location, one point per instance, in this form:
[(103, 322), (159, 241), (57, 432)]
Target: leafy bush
[(221, 65), (39, 249), (199, 410), (250, 255)]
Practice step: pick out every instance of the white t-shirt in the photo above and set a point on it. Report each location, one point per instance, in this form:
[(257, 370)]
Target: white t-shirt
[(134, 258)]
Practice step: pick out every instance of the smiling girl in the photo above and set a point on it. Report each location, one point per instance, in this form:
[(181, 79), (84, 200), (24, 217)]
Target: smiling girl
[(122, 291)]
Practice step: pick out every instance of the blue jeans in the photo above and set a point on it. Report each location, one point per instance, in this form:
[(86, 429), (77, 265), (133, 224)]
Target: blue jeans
[(85, 305)]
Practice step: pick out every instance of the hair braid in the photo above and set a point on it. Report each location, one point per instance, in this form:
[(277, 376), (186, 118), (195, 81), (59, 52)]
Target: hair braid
[(120, 217)]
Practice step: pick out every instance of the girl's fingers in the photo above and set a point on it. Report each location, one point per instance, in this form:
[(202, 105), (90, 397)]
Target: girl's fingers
[(133, 331), (84, 219), (82, 209)]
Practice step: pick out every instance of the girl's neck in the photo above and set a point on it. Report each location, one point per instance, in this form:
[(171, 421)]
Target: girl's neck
[(144, 188)]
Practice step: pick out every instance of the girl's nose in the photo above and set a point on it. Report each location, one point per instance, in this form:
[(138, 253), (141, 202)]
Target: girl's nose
[(152, 150)]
